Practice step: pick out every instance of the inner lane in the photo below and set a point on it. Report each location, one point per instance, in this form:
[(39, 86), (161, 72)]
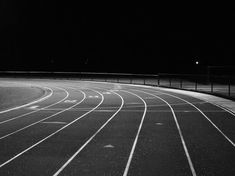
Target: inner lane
[(66, 140), (57, 95)]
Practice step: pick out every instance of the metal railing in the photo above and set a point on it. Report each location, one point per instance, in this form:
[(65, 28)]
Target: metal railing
[(219, 85), (107, 77)]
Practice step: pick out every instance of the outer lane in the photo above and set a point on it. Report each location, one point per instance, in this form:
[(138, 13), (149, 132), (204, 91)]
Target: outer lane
[(211, 153), (160, 150), (223, 120), (204, 140)]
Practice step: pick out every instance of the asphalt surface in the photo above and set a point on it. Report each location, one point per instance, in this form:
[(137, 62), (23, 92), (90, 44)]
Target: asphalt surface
[(92, 128)]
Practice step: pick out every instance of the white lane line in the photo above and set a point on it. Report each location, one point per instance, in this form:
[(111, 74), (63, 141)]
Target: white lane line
[(179, 131), (147, 86), (206, 101), (104, 110), (137, 135), (7, 135), (67, 94), (90, 139), (218, 129), (56, 122), (29, 148), (33, 107), (50, 109), (131, 103), (221, 107), (33, 102)]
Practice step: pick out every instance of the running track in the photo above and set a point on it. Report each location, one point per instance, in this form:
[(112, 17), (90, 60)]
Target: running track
[(95, 128)]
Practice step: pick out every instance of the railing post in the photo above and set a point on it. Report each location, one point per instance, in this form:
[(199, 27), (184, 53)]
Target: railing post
[(158, 81), (212, 86), (229, 87), (196, 85), (170, 81), (181, 83)]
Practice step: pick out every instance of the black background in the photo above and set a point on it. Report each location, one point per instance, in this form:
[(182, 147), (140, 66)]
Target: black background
[(130, 38)]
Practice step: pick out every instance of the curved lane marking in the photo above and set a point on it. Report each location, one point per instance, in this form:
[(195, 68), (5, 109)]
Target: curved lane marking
[(67, 94), (218, 129), (33, 102), (137, 135), (57, 131), (210, 102), (152, 89), (90, 139), (179, 131), (7, 135)]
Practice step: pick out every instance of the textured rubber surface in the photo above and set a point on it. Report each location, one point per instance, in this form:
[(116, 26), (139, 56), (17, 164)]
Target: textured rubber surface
[(91, 128)]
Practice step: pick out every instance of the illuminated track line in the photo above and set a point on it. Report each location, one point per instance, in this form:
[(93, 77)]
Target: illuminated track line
[(152, 89), (57, 131), (9, 134), (137, 135), (217, 128), (179, 131), (90, 139), (44, 108), (28, 104), (203, 99)]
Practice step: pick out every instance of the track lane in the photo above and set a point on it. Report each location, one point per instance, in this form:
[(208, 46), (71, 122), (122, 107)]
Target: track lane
[(108, 152), (208, 148), (56, 98), (226, 123), (44, 97), (223, 119), (158, 149), (49, 134), (216, 113), (26, 137), (90, 139), (137, 135), (181, 140), (20, 123), (219, 114)]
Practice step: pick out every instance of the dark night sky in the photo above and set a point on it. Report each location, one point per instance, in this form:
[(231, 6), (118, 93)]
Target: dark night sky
[(48, 35)]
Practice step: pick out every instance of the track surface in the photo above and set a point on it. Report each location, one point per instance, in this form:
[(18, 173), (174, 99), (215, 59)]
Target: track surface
[(91, 128)]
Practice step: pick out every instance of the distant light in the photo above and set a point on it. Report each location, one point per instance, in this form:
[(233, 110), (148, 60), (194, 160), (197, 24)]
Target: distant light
[(197, 62)]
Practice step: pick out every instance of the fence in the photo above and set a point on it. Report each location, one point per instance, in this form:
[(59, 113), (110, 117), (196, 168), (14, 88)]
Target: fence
[(219, 85)]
